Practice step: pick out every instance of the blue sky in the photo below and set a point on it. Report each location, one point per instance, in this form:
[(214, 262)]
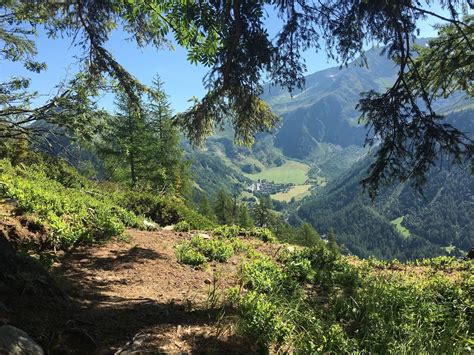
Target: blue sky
[(182, 80)]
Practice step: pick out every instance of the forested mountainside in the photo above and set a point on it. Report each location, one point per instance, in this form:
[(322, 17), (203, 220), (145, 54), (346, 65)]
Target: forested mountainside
[(319, 127), (401, 222), (210, 173), (318, 124), (325, 111)]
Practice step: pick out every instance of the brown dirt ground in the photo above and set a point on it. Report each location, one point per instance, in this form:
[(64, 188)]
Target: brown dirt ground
[(138, 287), (131, 295)]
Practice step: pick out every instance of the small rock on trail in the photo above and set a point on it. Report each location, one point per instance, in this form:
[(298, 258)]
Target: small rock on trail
[(14, 341)]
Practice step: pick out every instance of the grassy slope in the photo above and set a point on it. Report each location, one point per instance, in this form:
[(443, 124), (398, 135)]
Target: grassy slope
[(77, 210), (401, 229), (298, 192), (290, 172)]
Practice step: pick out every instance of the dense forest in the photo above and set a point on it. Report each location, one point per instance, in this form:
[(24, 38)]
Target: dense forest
[(322, 213)]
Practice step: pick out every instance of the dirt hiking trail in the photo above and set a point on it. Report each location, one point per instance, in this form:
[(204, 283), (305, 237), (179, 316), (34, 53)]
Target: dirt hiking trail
[(131, 296)]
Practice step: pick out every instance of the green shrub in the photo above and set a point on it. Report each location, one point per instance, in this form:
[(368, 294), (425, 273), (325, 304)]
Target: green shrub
[(211, 249), (442, 262), (261, 320), (240, 246), (196, 220), (234, 231), (57, 170), (214, 249), (186, 254), (164, 210), (262, 275), (226, 231), (263, 234), (365, 307), (73, 215), (218, 250), (399, 316), (298, 267), (182, 226)]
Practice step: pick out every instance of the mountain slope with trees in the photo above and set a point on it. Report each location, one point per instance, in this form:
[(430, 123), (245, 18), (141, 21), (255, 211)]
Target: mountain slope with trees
[(324, 112), (437, 221), (132, 285)]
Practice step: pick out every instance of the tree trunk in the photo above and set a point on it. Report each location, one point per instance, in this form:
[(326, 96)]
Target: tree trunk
[(132, 169)]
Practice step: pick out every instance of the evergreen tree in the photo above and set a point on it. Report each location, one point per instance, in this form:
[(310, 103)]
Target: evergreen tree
[(282, 230), (15, 149), (309, 236), (223, 208), (332, 244), (171, 169), (262, 211), (143, 147), (205, 207), (123, 143), (235, 208), (245, 220)]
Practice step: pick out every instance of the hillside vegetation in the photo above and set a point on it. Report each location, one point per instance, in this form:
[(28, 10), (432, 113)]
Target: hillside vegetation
[(239, 224), (402, 223), (76, 210), (250, 293)]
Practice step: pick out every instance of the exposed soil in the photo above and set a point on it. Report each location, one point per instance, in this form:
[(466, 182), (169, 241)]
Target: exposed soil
[(129, 295), (137, 287)]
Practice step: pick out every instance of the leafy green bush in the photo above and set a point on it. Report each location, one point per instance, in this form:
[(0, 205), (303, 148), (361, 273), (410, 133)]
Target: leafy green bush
[(363, 306), (262, 275), (240, 246), (57, 170), (408, 316), (226, 231), (73, 215), (214, 249), (186, 254), (440, 262), (261, 320), (234, 231), (211, 249), (263, 234), (164, 210), (298, 267), (182, 226)]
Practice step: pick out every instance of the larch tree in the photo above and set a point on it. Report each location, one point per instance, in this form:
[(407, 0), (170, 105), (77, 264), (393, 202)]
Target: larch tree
[(223, 208), (143, 146), (244, 218), (167, 165), (122, 145), (205, 207), (308, 236)]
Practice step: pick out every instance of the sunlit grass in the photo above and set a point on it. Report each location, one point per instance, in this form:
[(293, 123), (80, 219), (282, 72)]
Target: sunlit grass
[(291, 172), (298, 192), (401, 229)]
